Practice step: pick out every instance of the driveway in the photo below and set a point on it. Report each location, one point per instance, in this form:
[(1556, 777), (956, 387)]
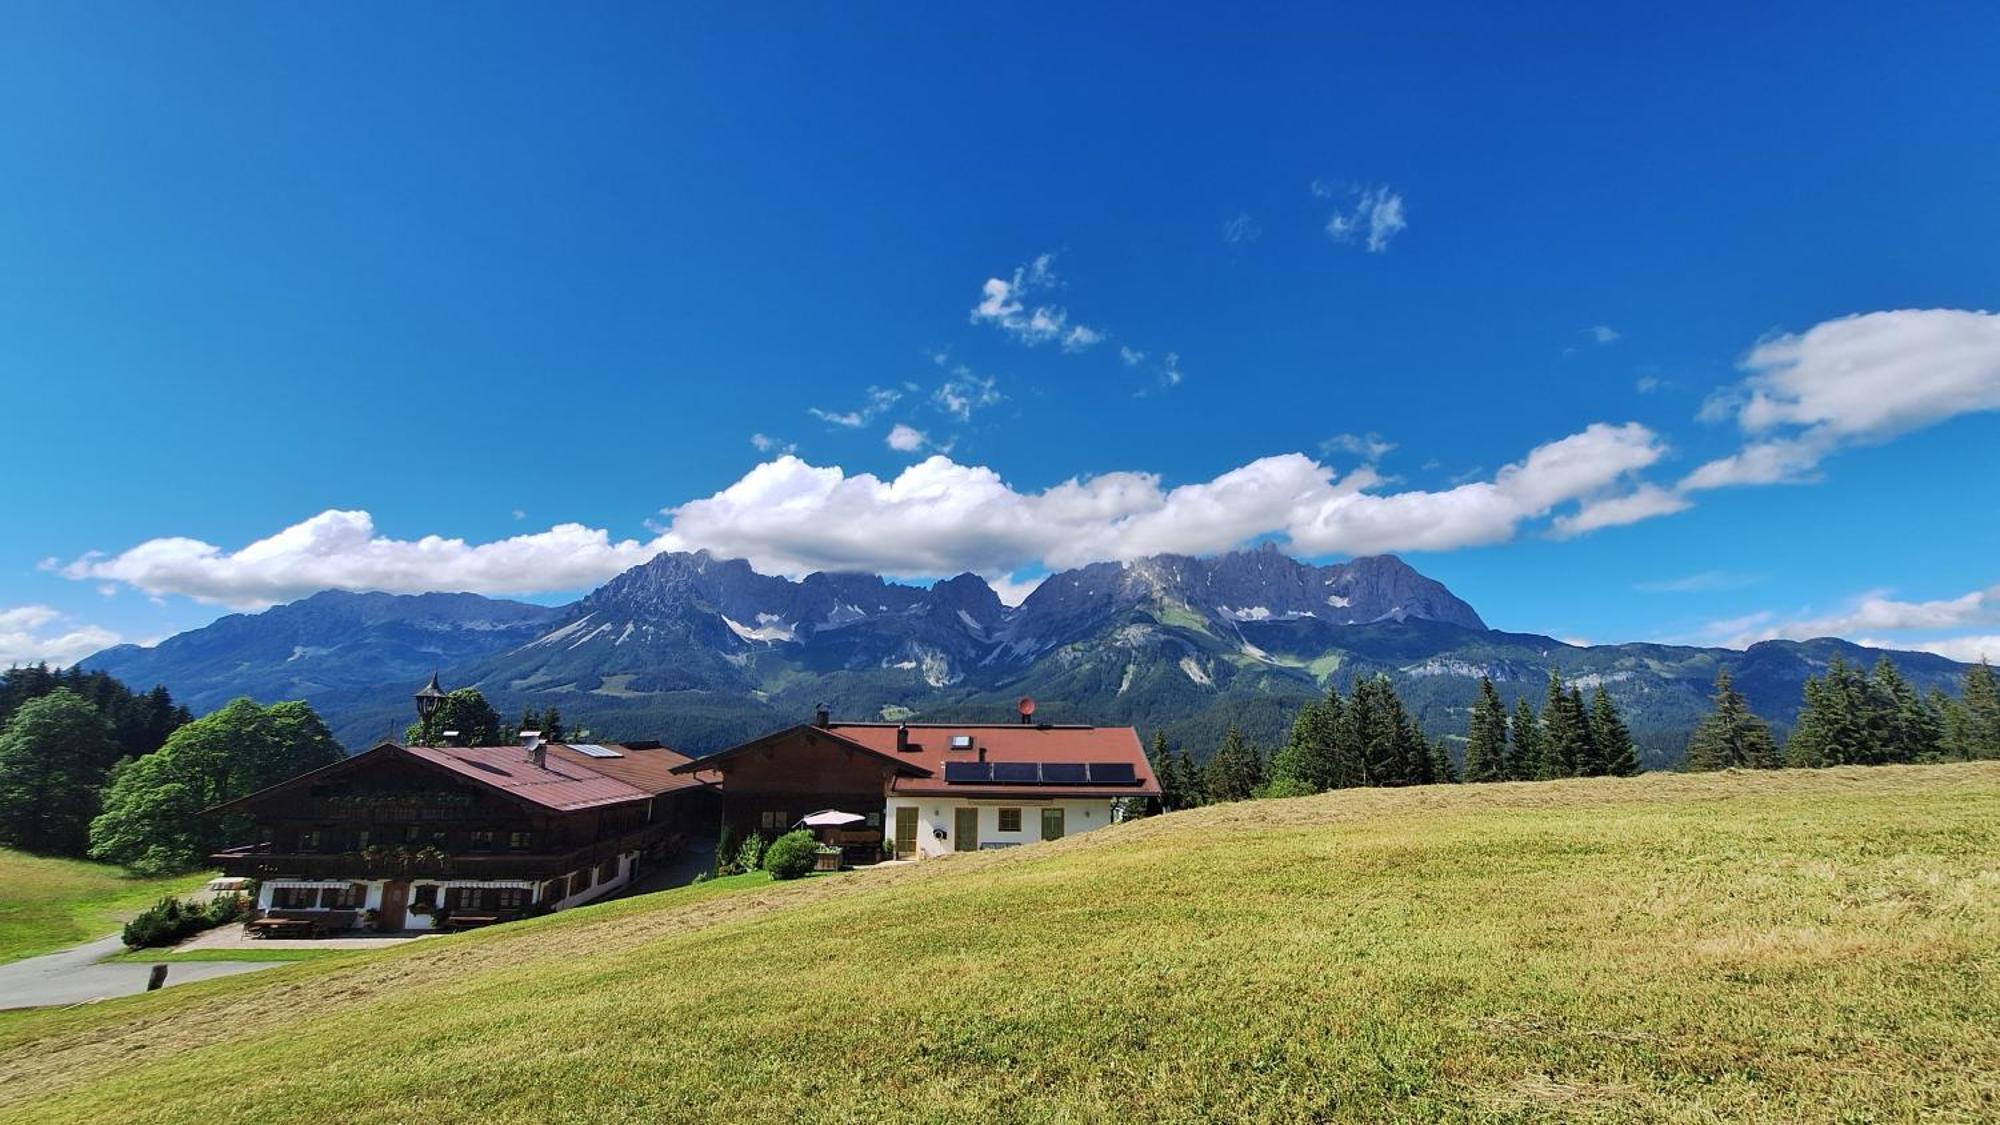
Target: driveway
[(77, 975)]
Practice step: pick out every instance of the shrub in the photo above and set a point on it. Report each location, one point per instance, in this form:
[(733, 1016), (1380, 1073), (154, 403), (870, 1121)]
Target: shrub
[(166, 922), (1284, 787), (224, 909), (751, 855), (792, 855)]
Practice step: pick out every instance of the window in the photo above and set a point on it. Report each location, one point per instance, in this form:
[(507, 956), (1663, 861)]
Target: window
[(340, 898), (309, 840), (412, 834), (773, 818), (608, 870), (361, 840), (511, 898), (294, 898), (874, 820), (519, 841), (482, 840), (579, 882), (461, 898), (1052, 824), (425, 894), (1010, 820)]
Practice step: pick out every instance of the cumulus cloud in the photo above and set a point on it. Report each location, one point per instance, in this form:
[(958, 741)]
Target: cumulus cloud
[(765, 443), (1867, 617), (1968, 650), (1858, 379), (33, 634), (907, 439), (878, 400), (340, 550), (1004, 303), (936, 517), (1644, 502), (1374, 216)]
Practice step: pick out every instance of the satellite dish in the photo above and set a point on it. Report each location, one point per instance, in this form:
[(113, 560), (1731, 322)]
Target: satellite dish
[(1026, 707)]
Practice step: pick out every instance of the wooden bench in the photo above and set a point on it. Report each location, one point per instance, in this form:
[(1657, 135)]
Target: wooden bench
[(300, 923), (460, 920)]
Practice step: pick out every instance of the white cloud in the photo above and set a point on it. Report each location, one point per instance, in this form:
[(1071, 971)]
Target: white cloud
[(1858, 379), (1604, 334), (1644, 502), (1011, 591), (1004, 304), (26, 637), (1170, 370), (1967, 650), (1375, 216), (906, 439), (765, 443), (1081, 338), (1240, 228), (1131, 357), (936, 517), (964, 393), (1371, 446), (879, 399), (1647, 384), (1704, 582), (520, 514), (1867, 615), (340, 550)]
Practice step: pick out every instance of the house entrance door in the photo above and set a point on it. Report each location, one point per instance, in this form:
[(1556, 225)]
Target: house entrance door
[(395, 906), (906, 833), (965, 838)]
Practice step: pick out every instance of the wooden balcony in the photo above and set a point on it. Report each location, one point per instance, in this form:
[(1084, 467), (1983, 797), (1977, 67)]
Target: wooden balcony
[(257, 861)]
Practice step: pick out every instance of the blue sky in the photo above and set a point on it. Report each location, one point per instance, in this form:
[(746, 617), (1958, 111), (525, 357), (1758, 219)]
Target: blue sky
[(1132, 281)]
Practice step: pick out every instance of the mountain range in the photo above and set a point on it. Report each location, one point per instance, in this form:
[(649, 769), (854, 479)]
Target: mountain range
[(703, 652)]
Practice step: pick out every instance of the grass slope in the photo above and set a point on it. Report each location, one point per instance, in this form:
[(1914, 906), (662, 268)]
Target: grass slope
[(48, 904), (1794, 946)]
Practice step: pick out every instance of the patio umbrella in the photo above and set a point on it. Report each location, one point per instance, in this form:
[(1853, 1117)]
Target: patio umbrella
[(831, 818)]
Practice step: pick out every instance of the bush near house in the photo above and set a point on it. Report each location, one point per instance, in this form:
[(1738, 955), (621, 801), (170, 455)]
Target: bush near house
[(792, 855), (171, 921)]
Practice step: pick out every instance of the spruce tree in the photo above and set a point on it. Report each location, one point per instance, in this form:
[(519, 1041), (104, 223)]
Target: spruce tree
[(552, 725), (1614, 740), (1524, 746), (1235, 770), (1442, 771), (1914, 729), (1731, 736), (1310, 758), (1486, 737), (1566, 745), (1980, 696), (1589, 752)]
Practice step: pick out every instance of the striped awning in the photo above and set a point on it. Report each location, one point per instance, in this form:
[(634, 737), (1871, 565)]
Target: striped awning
[(488, 884), (317, 884)]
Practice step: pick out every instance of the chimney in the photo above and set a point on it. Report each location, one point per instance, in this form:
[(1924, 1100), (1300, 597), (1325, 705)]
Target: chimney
[(538, 751), (822, 717), (982, 753), (902, 738)]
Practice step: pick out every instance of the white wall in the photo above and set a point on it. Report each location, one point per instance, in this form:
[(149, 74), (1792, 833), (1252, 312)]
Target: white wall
[(1080, 814), (372, 900)]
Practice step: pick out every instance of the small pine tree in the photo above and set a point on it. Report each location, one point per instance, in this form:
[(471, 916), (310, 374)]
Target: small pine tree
[(1235, 771), (1914, 730), (1442, 771), (1980, 696), (1486, 737), (552, 725), (1731, 736), (1615, 747), (1524, 745), (1566, 748)]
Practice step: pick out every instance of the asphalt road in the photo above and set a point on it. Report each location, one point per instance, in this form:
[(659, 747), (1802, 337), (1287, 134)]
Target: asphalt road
[(76, 975)]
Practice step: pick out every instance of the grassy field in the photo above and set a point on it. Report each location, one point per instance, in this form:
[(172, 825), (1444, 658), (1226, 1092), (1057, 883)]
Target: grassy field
[(1797, 946), (48, 904)]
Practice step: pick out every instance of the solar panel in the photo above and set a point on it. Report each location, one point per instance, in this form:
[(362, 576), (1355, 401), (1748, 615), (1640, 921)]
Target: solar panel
[(1063, 773), (593, 750), (1017, 773), (959, 772), (1112, 773)]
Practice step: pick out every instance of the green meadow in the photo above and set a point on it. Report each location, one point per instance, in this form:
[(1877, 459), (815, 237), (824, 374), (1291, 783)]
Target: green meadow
[(1772, 946), (48, 904)]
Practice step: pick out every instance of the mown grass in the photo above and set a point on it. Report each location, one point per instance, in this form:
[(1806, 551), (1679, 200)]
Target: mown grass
[(49, 904), (1816, 946)]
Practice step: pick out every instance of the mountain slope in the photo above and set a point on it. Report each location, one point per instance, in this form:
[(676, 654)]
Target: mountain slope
[(322, 644), (705, 652), (1667, 948)]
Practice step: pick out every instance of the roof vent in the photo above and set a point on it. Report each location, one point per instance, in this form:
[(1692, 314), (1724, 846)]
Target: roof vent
[(902, 738), (538, 751), (822, 716)]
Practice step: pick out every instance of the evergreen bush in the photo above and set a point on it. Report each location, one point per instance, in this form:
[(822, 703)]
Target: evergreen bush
[(792, 855)]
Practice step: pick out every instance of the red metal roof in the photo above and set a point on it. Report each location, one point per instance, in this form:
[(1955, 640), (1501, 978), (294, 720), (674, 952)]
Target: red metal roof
[(562, 782), (930, 748)]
